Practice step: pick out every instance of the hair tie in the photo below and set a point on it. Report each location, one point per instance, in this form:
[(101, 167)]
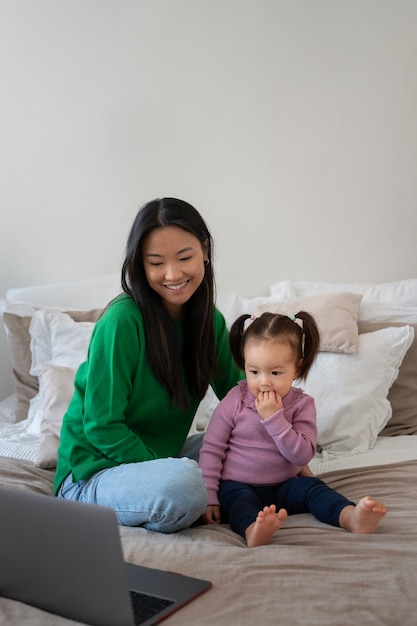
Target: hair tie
[(253, 317), (297, 321)]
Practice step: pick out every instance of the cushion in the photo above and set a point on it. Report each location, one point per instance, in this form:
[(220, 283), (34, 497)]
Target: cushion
[(403, 393), (401, 292), (26, 385), (17, 319), (387, 312), (381, 302), (55, 390), (336, 315), (351, 390), (56, 339), (231, 306), (81, 295)]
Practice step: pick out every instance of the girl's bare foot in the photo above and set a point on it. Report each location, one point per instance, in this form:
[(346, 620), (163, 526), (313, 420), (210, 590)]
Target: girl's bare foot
[(267, 523), (364, 517)]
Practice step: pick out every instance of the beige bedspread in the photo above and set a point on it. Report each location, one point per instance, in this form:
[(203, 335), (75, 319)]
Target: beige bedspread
[(311, 574)]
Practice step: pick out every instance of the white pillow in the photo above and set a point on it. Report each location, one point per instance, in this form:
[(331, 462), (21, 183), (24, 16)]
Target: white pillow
[(387, 312), (351, 390), (400, 293), (204, 412), (91, 293), (55, 340), (232, 306), (393, 302), (55, 391)]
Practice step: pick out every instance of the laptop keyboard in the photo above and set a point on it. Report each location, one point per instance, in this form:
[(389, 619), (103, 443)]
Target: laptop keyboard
[(146, 606)]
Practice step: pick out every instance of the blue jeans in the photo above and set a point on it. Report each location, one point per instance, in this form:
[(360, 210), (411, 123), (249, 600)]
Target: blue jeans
[(165, 495), (240, 503)]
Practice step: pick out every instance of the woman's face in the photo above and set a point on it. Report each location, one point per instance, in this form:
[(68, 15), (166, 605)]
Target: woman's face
[(173, 260)]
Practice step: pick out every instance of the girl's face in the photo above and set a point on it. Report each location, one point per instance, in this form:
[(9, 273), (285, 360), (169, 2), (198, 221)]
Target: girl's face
[(173, 260), (269, 366)]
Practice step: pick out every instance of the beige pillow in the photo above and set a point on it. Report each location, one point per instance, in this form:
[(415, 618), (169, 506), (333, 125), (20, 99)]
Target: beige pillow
[(336, 315), (56, 389), (27, 386), (403, 393)]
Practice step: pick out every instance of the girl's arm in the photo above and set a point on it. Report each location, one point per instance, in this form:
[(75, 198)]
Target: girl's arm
[(295, 437)]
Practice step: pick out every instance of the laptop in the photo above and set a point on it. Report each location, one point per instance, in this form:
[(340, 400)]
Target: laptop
[(66, 558)]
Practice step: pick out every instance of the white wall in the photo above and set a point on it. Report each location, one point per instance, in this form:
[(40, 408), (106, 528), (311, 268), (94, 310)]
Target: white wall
[(290, 124)]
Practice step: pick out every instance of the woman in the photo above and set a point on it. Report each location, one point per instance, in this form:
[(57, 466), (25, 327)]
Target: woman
[(152, 355)]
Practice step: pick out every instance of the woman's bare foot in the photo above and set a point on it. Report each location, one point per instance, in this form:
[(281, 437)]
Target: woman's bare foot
[(364, 517), (267, 523)]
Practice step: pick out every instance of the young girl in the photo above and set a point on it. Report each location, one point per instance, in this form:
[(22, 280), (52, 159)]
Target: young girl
[(263, 433), (152, 355)]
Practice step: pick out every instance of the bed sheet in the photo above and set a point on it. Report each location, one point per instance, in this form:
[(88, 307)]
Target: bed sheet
[(310, 573), (18, 440)]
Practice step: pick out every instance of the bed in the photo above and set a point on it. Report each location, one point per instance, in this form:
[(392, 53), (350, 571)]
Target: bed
[(365, 385)]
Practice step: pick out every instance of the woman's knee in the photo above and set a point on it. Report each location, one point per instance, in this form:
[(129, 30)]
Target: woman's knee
[(184, 484)]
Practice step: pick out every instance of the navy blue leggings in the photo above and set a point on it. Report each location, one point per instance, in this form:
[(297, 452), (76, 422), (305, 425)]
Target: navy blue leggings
[(241, 503)]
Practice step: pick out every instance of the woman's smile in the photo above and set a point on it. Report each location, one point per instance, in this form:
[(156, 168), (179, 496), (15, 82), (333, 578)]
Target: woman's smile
[(178, 286)]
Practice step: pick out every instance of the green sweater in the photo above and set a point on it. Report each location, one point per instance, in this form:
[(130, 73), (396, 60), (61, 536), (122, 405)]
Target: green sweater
[(119, 412)]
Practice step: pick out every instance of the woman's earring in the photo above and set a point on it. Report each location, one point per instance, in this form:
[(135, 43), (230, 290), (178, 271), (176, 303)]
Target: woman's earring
[(206, 262)]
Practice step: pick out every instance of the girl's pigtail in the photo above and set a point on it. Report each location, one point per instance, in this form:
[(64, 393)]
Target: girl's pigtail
[(236, 340), (311, 342)]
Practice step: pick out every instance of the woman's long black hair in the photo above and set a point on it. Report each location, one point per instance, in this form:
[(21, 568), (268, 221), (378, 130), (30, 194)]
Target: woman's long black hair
[(164, 353)]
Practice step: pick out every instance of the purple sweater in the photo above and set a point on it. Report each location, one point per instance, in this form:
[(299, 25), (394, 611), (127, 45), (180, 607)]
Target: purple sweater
[(239, 445)]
